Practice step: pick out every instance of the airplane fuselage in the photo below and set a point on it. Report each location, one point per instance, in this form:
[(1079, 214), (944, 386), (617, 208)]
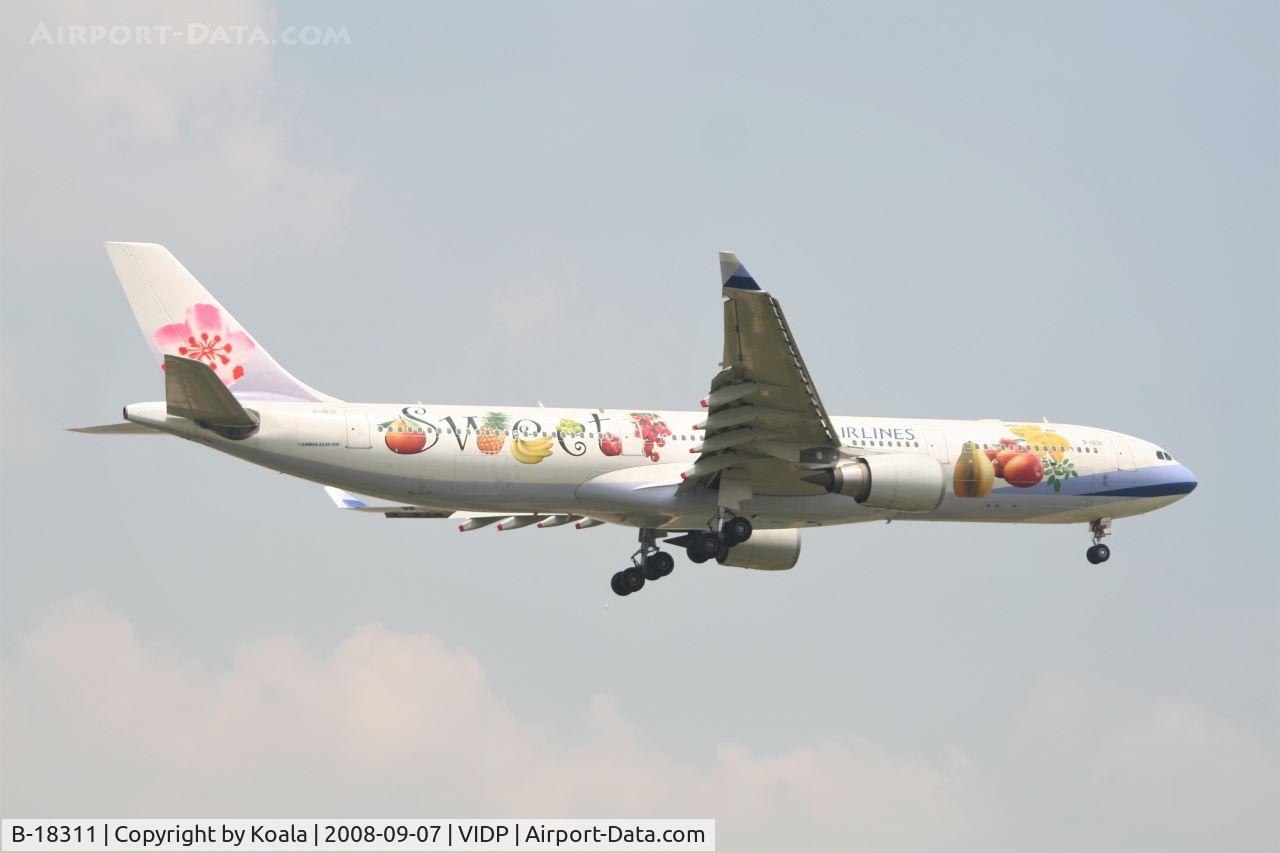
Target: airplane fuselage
[(625, 466), (735, 483)]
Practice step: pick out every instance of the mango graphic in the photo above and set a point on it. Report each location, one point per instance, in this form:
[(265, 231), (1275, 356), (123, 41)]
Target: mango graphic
[(974, 474), (1053, 444)]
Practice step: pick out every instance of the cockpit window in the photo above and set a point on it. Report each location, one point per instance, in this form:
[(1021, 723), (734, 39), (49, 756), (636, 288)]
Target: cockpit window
[(1164, 454)]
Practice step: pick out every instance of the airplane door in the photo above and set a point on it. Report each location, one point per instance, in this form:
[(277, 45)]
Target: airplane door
[(1124, 454), (936, 441), (625, 429), (357, 429), (476, 472)]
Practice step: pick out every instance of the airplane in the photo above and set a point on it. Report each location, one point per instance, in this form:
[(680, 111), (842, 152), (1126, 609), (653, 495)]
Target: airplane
[(735, 482)]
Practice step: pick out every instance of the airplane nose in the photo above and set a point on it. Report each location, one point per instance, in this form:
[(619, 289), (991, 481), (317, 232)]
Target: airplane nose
[(1180, 481)]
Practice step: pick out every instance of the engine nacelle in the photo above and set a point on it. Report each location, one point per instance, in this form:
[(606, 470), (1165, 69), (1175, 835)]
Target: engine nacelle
[(906, 482), (770, 550)]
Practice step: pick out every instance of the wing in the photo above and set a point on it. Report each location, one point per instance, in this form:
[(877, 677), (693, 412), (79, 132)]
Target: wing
[(766, 426)]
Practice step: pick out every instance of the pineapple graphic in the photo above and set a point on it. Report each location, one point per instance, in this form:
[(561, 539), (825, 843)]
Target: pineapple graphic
[(492, 433)]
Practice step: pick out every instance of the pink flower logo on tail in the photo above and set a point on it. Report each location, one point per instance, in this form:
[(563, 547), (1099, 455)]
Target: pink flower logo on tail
[(205, 337)]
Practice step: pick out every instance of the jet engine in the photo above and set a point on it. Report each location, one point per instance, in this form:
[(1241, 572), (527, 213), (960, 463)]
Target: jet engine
[(905, 482), (771, 550)]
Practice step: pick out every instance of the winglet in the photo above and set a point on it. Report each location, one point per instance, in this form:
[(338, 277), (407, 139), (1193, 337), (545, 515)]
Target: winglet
[(734, 275)]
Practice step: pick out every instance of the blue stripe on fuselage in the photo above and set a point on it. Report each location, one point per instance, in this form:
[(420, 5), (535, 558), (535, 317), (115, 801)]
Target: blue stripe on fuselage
[(1146, 482)]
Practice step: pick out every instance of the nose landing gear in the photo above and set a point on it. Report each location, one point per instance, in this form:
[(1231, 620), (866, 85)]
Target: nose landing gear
[(1099, 553)]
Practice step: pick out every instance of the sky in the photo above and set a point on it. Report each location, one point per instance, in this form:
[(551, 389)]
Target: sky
[(968, 210)]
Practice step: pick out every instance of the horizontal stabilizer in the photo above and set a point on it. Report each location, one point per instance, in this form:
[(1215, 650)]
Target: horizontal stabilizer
[(117, 429), (470, 520), (346, 500), (192, 390)]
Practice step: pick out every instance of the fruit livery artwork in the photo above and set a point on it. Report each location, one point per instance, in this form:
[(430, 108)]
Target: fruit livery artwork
[(531, 450), (493, 433), (1023, 462), (653, 430), (610, 444), (568, 426), (403, 437), (414, 431)]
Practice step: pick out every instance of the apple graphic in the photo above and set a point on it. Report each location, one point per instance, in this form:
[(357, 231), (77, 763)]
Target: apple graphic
[(611, 445), (1023, 470)]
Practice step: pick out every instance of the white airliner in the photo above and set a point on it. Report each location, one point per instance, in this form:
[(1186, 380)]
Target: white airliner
[(734, 482)]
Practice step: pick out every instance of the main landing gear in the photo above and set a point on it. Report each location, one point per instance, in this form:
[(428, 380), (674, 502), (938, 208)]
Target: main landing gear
[(648, 564), (711, 544), (1099, 553)]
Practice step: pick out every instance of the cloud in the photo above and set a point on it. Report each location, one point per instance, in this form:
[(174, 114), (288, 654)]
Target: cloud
[(394, 723), (124, 141), (1111, 763)]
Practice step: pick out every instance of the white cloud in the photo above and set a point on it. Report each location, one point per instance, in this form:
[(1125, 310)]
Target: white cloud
[(394, 723), (1112, 764), (125, 142)]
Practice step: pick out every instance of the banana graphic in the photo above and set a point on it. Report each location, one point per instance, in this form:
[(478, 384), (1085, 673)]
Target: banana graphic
[(531, 451)]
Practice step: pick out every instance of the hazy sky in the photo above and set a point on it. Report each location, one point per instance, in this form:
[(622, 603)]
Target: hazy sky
[(967, 210)]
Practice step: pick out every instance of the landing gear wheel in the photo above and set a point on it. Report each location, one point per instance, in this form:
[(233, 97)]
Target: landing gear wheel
[(705, 546), (1098, 554), (658, 565), (737, 530), (618, 585), (632, 579)]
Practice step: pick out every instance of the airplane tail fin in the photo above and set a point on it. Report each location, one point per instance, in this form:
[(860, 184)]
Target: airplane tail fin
[(179, 317)]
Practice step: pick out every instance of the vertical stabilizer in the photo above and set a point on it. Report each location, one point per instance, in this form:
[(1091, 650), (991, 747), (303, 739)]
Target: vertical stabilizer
[(179, 317)]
